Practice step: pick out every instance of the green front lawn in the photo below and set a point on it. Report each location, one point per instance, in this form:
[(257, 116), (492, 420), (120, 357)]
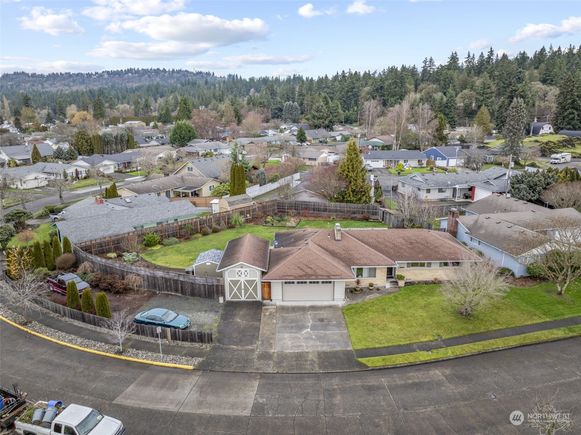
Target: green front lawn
[(420, 313), (81, 184), (40, 233), (183, 254), (531, 140)]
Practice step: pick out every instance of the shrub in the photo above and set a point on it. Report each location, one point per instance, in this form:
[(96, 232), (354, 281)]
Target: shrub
[(187, 230), (130, 243), (57, 250), (42, 273), (37, 256), (67, 246), (205, 231), (151, 239), (17, 217), (85, 267), (170, 241), (133, 282), (73, 300), (43, 212), (111, 255), (400, 277), (87, 303), (236, 220), (52, 233), (197, 236), (505, 271), (65, 261), (48, 258), (25, 236), (535, 270), (216, 228), (102, 305), (130, 257), (7, 231)]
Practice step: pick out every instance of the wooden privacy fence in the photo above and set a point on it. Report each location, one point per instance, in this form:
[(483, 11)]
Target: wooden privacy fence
[(330, 209), (186, 335), (163, 281)]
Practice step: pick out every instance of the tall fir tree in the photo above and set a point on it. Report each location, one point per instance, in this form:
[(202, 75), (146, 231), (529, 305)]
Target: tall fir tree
[(301, 135), (568, 113), (38, 256), (111, 191), (184, 110), (483, 120), (67, 246), (164, 115), (87, 302), (514, 128), (98, 108), (57, 250), (35, 156), (440, 135), (48, 257), (351, 169), (73, 299)]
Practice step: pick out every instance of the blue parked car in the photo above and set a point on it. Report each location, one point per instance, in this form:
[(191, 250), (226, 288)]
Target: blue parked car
[(162, 317)]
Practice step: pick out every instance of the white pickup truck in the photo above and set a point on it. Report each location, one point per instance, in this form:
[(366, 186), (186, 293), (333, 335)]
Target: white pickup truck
[(68, 420)]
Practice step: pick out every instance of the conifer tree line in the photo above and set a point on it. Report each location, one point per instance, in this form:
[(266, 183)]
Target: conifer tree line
[(457, 89), (37, 256)]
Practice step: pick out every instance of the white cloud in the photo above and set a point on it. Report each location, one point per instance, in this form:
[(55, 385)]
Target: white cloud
[(308, 11), (32, 65), (359, 7), (109, 9), (180, 35), (233, 62), (479, 44), (46, 20), (568, 26)]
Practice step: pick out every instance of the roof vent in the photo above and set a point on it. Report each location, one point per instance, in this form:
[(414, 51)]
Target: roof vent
[(337, 232)]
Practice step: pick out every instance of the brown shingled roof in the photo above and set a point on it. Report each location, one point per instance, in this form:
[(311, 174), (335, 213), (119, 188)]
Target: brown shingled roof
[(248, 249)]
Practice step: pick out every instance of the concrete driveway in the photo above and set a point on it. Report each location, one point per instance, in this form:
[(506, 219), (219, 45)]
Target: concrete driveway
[(300, 329)]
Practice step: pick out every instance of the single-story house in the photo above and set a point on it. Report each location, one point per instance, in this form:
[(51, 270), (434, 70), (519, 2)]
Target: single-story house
[(229, 203), (206, 263), (22, 154), (390, 159), (446, 156), (24, 177), (469, 186), (97, 163), (511, 240), (538, 128), (56, 171), (316, 266), (216, 167), (183, 186), (198, 149), (317, 135), (316, 157), (95, 218), (109, 163)]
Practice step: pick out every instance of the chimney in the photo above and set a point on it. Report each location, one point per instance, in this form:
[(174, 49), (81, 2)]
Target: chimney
[(453, 221), (99, 200), (337, 232)]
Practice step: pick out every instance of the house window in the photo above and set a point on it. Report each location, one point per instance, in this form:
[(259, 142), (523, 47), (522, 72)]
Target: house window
[(190, 169), (455, 264), (444, 264), (365, 272), (289, 282), (326, 282), (418, 264), (210, 188), (428, 190), (402, 265), (314, 282), (302, 282), (441, 190)]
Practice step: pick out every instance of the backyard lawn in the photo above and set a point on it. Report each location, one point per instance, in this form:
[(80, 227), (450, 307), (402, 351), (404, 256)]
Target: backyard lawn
[(420, 313), (81, 184), (422, 170), (537, 140), (183, 254), (28, 237)]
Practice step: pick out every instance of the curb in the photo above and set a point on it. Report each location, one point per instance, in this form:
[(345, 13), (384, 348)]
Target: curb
[(95, 352)]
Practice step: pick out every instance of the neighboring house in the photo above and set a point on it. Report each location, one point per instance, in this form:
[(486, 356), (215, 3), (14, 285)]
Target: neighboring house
[(316, 266), (109, 163), (183, 186), (390, 159), (277, 139), (216, 167), (446, 156), (316, 157), (539, 128), (511, 240), (469, 186), (207, 263), (198, 149), (39, 174), (318, 135), (22, 154), (229, 203), (94, 218), (159, 151)]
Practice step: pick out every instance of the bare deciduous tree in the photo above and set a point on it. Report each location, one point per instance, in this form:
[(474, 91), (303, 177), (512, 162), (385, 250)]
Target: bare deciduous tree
[(474, 285), (399, 117), (426, 123), (474, 159), (23, 292), (206, 123), (370, 111), (563, 195), (547, 419), (414, 211), (325, 181), (99, 177), (147, 162), (251, 123), (121, 326)]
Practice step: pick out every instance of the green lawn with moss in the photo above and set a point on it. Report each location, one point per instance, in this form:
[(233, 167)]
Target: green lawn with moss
[(81, 184), (420, 313), (183, 254), (422, 170), (28, 237), (537, 140)]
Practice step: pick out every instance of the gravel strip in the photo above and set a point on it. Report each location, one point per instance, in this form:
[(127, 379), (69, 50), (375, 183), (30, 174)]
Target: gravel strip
[(95, 345)]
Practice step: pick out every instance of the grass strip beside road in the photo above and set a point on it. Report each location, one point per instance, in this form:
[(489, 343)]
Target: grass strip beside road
[(473, 348)]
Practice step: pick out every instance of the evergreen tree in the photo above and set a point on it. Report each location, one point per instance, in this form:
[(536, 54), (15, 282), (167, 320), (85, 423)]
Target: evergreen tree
[(59, 154), (164, 115), (184, 110), (568, 113), (352, 170), (514, 128), (67, 246), (291, 112), (320, 115), (17, 123), (440, 135), (71, 154), (35, 155), (87, 302), (111, 191), (73, 299), (483, 120), (102, 305), (56, 248), (82, 142), (301, 135), (450, 108), (37, 256), (49, 119), (48, 257), (182, 133), (98, 108)]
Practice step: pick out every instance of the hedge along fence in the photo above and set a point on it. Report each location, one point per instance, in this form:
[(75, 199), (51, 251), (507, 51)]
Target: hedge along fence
[(163, 281), (187, 335)]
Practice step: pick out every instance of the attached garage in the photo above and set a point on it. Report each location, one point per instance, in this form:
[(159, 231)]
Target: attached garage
[(319, 291)]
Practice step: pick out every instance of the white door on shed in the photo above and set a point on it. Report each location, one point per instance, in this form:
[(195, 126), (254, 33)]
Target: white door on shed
[(242, 284), (307, 291)]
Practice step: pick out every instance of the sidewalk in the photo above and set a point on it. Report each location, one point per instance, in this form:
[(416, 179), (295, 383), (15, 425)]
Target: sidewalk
[(467, 339)]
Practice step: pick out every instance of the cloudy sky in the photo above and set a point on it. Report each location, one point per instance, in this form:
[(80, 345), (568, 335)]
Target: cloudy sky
[(270, 37)]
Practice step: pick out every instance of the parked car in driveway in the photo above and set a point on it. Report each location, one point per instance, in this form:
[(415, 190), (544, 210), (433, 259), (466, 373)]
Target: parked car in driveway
[(162, 317), (59, 284)]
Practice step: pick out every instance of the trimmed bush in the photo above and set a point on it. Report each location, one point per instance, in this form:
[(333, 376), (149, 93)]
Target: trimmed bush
[(505, 271), (535, 270), (65, 261), (85, 267), (87, 303), (7, 231), (197, 236), (111, 255), (102, 305), (151, 239), (17, 218), (37, 256), (170, 241), (236, 220), (48, 257), (57, 249), (130, 257), (400, 277), (42, 273), (216, 229), (133, 281), (73, 299), (205, 231), (67, 246)]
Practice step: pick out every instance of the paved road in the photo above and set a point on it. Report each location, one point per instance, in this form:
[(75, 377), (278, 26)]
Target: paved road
[(467, 396)]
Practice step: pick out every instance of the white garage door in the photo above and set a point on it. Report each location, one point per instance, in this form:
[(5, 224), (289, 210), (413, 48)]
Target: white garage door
[(307, 291)]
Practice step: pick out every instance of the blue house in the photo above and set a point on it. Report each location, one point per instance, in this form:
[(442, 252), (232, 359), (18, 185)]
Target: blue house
[(447, 156)]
